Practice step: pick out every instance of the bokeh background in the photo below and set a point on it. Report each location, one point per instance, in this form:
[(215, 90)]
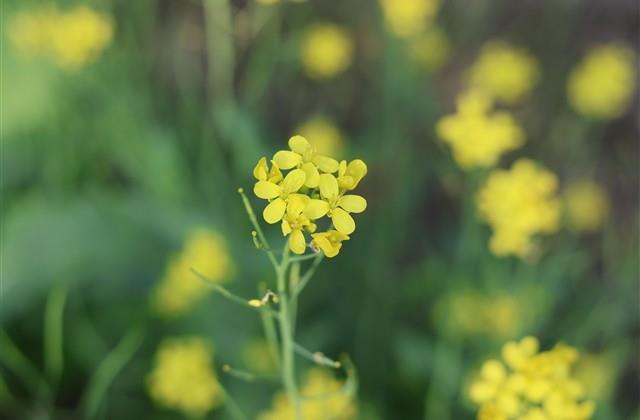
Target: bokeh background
[(128, 126)]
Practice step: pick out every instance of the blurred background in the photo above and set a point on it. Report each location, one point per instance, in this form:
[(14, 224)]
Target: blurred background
[(127, 128)]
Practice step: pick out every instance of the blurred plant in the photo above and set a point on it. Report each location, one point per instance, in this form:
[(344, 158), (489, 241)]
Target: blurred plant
[(271, 2), (597, 372), (178, 290), (182, 377), (324, 134), (477, 135), (258, 357), (430, 49), (531, 385), (504, 72), (72, 38), (409, 18), (518, 204), (602, 85), (586, 205), (327, 50)]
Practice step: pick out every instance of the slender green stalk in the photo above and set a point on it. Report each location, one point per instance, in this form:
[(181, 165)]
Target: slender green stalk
[(258, 229), (232, 406), (443, 380), (307, 276), (13, 359), (317, 357), (109, 369), (270, 331), (294, 280), (53, 336)]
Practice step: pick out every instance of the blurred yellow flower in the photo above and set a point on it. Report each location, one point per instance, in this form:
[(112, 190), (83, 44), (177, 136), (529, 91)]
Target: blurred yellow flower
[(586, 205), (179, 289), (477, 135), (322, 398), (329, 242), (603, 83), (258, 358), (430, 49), (324, 135), (518, 204), (182, 377), (505, 72), (73, 38), (327, 50), (408, 18), (531, 385)]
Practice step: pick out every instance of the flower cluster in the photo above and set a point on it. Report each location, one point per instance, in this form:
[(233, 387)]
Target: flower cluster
[(531, 385), (316, 186), (518, 204), (182, 377), (179, 289), (323, 398), (408, 18), (327, 50), (504, 72), (477, 135), (586, 206), (73, 38)]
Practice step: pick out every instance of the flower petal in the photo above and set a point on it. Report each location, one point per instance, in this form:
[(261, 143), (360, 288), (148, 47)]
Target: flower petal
[(353, 203), (299, 144), (266, 190), (313, 176), (296, 203), (260, 171), (293, 181), (326, 164), (316, 209), (274, 211), (328, 186), (297, 243), (286, 159), (285, 227), (343, 221)]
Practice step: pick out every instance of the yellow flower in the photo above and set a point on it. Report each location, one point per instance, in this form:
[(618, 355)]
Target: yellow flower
[(262, 172), (478, 136), (304, 156), (329, 242), (505, 72), (586, 206), (324, 134), (326, 51), (279, 194), (323, 398), (182, 377), (350, 175), (408, 18), (530, 385), (518, 204), (430, 49), (603, 83), (340, 205), (73, 38), (295, 222), (179, 289)]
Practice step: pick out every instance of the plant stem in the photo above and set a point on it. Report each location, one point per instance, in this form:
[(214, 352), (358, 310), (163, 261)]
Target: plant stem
[(232, 406), (258, 229), (22, 367), (53, 337)]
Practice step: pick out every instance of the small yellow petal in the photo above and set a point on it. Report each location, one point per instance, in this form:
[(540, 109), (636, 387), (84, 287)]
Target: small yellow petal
[(256, 303), (296, 204), (343, 221), (353, 203), (293, 181), (286, 159), (328, 186), (299, 144), (266, 190), (316, 209), (297, 243), (285, 227), (260, 171), (274, 211), (326, 164), (313, 176)]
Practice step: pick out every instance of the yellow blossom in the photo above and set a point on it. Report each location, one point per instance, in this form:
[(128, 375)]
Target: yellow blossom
[(408, 18), (350, 174), (279, 194), (505, 72), (430, 49), (329, 242), (586, 206), (179, 289), (73, 38), (531, 385), (304, 156), (295, 223), (182, 377), (322, 398), (478, 136), (327, 50), (340, 205), (602, 85), (324, 135), (518, 204)]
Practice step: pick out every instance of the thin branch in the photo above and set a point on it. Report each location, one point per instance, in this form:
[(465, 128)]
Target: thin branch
[(258, 229), (307, 276), (317, 357)]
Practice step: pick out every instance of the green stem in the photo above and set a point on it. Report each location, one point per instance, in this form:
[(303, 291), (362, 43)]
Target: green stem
[(232, 406), (53, 336), (270, 330), (258, 229), (317, 357), (109, 368), (307, 276), (443, 381), (13, 359)]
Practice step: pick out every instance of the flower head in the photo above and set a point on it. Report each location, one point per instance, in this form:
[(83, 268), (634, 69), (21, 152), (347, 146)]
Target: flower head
[(182, 377), (504, 72), (603, 83), (329, 242), (477, 135), (528, 384), (408, 18), (586, 206), (327, 51), (518, 204)]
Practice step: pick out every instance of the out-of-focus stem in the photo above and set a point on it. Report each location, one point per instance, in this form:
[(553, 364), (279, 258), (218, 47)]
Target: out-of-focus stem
[(220, 54), (14, 360), (53, 336)]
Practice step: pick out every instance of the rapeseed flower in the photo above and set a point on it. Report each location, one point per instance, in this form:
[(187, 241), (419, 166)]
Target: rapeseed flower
[(340, 205), (72, 38), (477, 135), (504, 72), (322, 398), (179, 289), (329, 242), (531, 385), (430, 49), (182, 377), (602, 85), (409, 18), (586, 206), (326, 137), (327, 50), (518, 204)]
